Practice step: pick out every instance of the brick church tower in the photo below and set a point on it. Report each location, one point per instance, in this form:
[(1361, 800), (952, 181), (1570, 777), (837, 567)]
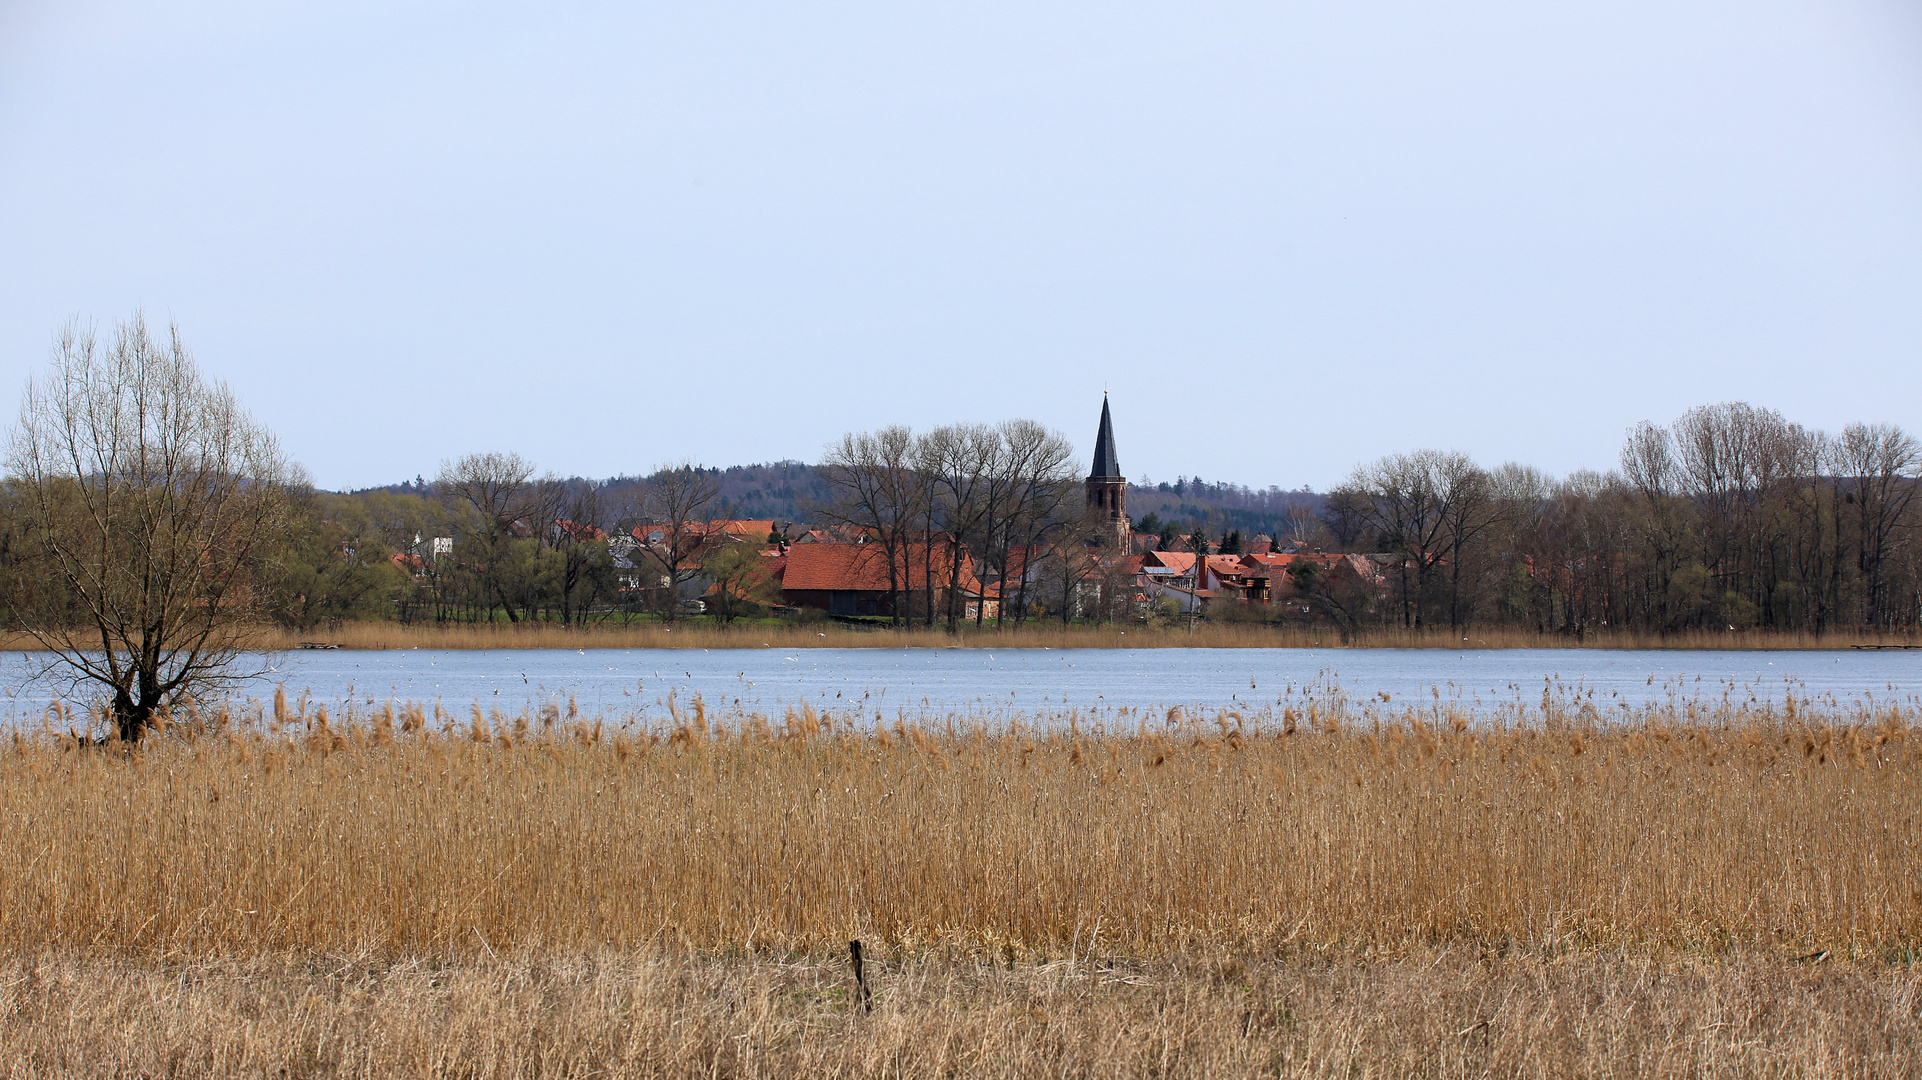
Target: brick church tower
[(1107, 489)]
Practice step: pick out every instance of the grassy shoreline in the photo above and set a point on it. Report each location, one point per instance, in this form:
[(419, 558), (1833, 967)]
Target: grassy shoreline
[(703, 635)]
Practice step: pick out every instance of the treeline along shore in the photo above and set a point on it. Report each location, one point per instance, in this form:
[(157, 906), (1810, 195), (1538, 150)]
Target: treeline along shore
[(1732, 526), (1731, 523), (1417, 549)]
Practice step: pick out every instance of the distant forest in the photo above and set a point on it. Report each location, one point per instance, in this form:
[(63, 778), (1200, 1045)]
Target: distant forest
[(794, 491)]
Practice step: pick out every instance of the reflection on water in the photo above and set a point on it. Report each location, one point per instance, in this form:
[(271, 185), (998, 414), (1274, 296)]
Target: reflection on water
[(1039, 683)]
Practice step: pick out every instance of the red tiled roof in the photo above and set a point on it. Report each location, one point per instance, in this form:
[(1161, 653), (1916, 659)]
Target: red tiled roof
[(864, 568), (752, 530), (1181, 562)]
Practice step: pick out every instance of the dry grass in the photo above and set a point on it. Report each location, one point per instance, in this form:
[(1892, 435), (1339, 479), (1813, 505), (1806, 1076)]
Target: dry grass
[(1445, 1013), (1227, 635), (1683, 828), (1728, 890)]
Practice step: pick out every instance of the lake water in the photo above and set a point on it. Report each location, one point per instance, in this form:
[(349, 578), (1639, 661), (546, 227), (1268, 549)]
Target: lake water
[(637, 683)]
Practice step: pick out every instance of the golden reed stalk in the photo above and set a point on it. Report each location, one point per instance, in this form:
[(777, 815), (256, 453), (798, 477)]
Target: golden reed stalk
[(1679, 828)]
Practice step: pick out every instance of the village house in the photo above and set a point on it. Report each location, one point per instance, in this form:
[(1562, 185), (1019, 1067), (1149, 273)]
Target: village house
[(853, 579)]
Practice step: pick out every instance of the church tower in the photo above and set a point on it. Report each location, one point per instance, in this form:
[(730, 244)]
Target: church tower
[(1107, 489)]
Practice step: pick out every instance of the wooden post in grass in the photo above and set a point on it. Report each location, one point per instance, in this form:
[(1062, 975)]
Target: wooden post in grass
[(860, 978)]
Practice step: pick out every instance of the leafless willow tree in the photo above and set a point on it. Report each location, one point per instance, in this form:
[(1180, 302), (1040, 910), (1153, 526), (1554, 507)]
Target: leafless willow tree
[(151, 504)]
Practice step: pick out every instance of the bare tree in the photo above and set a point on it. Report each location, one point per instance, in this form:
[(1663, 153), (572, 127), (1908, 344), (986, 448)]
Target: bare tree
[(1716, 485), (510, 504), (151, 502), (1401, 498), (586, 567), (1471, 505), (1300, 524), (964, 464), (1432, 508), (1534, 532), (1083, 574), (1813, 529), (877, 490), (1345, 514), (1879, 463), (1041, 500), (1732, 458), (494, 485), (1663, 518), (677, 502)]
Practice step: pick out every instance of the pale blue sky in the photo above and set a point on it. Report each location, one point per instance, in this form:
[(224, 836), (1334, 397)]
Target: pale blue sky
[(1288, 237)]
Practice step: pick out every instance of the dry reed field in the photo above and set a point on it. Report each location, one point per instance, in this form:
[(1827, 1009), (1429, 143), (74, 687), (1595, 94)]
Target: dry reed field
[(1696, 889)]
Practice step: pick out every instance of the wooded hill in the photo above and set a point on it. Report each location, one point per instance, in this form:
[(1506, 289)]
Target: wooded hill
[(795, 491)]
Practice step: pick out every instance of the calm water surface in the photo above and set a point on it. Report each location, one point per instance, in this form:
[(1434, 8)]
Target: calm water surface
[(638, 682)]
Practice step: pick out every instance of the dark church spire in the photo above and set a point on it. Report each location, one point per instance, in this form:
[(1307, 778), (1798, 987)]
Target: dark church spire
[(1105, 464), (1107, 489)]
